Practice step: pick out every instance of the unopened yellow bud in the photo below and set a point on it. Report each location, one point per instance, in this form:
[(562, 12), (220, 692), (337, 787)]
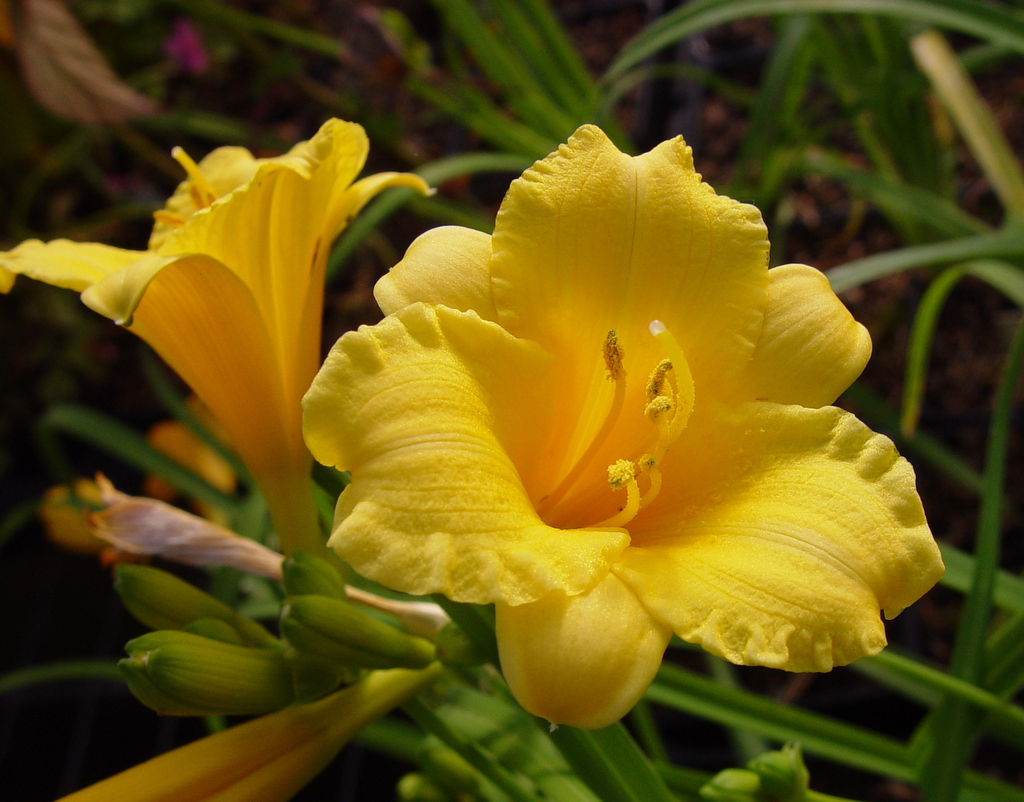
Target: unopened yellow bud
[(307, 574), (335, 630), (183, 674), (162, 601)]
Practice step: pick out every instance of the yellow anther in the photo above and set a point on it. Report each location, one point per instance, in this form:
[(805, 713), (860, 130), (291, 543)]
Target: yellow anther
[(658, 407), (656, 381), (169, 218), (621, 473), (647, 462), (613, 355), (200, 187), (683, 377)]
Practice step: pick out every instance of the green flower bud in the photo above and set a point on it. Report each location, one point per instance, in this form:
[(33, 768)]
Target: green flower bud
[(417, 788), (733, 785), (783, 773), (314, 677), (162, 601), (309, 575), (335, 630), (183, 674), (215, 629), (448, 770), (456, 648)]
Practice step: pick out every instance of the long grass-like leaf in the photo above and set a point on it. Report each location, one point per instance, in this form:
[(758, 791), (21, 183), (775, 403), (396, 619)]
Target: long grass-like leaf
[(976, 17), (434, 173), (984, 246), (125, 443), (897, 198), (919, 347), (972, 116), (955, 720), (611, 763)]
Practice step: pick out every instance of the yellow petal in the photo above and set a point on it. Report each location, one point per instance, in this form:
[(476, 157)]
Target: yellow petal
[(6, 279), (426, 410), (275, 232), (268, 759), (447, 266), (590, 239), (779, 535), (225, 169), (63, 263), (580, 660), (810, 349)]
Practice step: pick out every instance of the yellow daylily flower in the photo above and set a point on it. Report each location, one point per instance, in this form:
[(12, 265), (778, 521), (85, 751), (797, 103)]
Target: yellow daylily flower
[(268, 759), (611, 420), (230, 293)]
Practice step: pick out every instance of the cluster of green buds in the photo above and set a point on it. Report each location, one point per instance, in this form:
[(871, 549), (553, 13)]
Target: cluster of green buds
[(443, 776), (773, 777), (205, 658)]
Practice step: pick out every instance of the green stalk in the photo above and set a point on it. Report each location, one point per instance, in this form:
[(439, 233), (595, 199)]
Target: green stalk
[(514, 785), (60, 671)]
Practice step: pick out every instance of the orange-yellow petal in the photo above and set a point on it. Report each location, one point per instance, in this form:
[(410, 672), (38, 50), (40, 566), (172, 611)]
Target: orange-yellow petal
[(63, 263), (427, 411), (268, 759), (780, 535), (447, 266), (810, 349), (580, 660)]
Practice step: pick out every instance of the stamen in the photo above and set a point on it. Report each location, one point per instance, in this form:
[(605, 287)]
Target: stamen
[(169, 218), (622, 474), (683, 377), (613, 356), (200, 188), (656, 381), (649, 466)]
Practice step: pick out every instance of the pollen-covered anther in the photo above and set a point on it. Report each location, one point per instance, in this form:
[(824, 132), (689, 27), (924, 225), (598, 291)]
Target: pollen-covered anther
[(200, 188), (658, 407), (621, 473), (613, 355), (657, 380), (646, 463)]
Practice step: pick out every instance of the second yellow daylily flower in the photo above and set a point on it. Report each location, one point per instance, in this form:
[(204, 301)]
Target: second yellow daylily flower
[(268, 759), (230, 293), (611, 420)]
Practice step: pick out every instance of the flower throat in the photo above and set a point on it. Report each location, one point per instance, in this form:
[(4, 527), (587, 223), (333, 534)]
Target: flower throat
[(670, 396)]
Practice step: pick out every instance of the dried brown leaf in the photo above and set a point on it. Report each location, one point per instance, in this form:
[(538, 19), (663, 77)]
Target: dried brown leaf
[(65, 71)]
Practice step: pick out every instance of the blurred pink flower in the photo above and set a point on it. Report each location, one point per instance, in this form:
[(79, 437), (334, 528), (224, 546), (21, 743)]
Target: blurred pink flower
[(185, 46)]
